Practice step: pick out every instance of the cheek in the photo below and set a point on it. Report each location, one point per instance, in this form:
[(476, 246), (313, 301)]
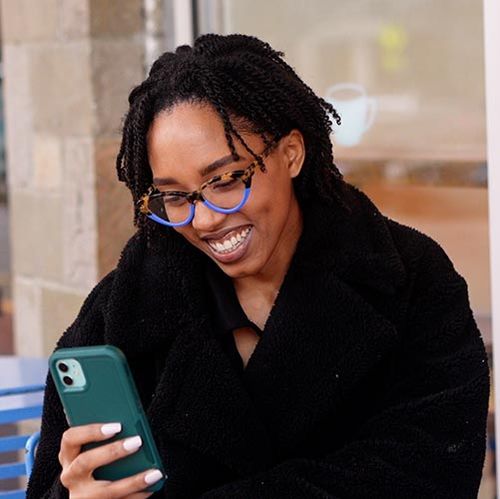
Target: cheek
[(272, 192), (268, 207)]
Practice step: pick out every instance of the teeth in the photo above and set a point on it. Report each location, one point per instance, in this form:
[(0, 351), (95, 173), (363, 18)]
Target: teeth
[(230, 244)]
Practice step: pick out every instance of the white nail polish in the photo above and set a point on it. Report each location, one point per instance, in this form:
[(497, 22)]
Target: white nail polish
[(111, 428), (153, 476), (132, 443)]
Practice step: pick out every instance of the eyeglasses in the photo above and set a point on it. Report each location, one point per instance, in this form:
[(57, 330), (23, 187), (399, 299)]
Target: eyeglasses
[(225, 193)]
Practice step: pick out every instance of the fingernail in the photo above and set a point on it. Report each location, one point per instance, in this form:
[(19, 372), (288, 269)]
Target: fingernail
[(132, 443), (111, 428), (153, 476)]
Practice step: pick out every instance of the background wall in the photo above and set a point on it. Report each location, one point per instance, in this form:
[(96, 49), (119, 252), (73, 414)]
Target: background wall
[(68, 67)]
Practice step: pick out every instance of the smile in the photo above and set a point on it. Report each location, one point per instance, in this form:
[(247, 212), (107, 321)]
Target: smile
[(231, 241)]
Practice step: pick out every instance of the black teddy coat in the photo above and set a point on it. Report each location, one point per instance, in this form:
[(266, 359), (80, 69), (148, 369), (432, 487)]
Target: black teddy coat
[(371, 379)]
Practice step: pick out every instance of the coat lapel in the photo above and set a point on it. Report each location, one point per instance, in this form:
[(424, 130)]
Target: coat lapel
[(320, 340), (201, 403), (322, 336)]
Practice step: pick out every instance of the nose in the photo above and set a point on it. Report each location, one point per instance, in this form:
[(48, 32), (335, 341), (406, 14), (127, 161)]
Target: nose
[(206, 219)]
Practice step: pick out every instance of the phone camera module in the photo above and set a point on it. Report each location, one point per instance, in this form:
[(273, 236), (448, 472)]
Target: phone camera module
[(63, 367), (67, 380)]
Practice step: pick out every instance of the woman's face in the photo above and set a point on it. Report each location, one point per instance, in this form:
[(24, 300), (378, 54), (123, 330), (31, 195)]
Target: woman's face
[(183, 141)]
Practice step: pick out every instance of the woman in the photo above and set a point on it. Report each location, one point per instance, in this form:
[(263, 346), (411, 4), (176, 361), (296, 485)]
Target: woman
[(287, 339)]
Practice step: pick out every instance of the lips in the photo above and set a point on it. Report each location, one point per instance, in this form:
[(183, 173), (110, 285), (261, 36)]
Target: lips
[(232, 246)]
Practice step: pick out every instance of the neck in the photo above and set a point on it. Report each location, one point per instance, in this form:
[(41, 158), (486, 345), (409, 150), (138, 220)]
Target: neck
[(268, 281)]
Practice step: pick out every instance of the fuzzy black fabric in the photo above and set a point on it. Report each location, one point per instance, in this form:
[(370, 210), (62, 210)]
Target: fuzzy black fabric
[(371, 379)]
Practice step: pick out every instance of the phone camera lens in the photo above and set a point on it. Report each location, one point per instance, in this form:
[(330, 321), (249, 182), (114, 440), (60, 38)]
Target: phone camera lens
[(62, 367), (68, 380)]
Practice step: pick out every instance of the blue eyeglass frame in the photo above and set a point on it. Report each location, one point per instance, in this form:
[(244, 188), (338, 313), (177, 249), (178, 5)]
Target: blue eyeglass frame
[(197, 195)]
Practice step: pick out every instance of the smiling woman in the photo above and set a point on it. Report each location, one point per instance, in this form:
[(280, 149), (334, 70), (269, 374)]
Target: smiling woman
[(288, 340)]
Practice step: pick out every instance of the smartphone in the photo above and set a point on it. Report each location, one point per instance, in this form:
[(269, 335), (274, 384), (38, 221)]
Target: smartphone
[(95, 385)]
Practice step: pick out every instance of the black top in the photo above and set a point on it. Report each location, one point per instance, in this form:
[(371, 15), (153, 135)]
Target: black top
[(227, 312)]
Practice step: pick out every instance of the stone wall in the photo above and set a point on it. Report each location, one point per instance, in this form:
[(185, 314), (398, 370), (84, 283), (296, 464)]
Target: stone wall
[(68, 67)]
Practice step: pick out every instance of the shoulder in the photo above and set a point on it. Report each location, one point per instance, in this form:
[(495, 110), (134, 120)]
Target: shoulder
[(87, 326), (419, 246), (414, 246), (136, 263), (421, 256), (427, 263)]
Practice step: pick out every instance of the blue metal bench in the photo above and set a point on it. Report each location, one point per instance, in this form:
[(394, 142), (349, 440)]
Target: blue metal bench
[(19, 404), (20, 401)]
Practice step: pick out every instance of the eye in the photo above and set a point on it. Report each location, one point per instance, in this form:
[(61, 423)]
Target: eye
[(224, 184), (174, 200)]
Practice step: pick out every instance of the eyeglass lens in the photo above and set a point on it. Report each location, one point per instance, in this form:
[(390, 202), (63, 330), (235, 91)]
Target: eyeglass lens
[(224, 194)]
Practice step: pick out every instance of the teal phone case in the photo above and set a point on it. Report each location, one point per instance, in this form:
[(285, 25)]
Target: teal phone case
[(109, 395)]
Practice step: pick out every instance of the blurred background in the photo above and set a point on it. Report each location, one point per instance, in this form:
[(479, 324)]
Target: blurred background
[(407, 74)]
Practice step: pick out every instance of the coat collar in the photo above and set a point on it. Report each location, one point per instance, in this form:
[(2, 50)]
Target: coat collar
[(158, 302)]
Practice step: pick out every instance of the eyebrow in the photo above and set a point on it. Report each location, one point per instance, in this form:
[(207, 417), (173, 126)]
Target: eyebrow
[(226, 160)]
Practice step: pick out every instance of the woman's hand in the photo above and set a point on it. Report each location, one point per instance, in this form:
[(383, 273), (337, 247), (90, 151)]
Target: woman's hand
[(77, 466)]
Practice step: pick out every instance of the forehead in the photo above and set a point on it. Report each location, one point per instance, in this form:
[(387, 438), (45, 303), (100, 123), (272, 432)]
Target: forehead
[(181, 141), (186, 129), (187, 138)]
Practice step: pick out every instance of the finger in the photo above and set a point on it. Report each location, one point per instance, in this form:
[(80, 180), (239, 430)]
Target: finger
[(76, 436), (86, 462), (131, 487)]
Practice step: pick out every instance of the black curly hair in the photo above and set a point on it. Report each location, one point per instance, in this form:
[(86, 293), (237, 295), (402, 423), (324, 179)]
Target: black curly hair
[(252, 89)]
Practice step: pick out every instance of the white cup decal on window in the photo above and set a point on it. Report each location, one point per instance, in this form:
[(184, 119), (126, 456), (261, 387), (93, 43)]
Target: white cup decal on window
[(356, 110)]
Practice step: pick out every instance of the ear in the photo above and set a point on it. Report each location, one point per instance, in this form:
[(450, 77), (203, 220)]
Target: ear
[(294, 152)]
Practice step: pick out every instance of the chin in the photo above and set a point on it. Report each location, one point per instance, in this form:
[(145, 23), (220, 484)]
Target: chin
[(245, 268)]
